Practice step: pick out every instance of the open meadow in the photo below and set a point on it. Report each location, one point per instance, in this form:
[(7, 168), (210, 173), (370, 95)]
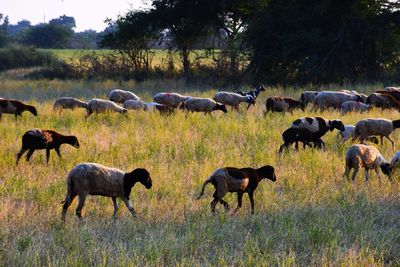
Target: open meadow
[(310, 216)]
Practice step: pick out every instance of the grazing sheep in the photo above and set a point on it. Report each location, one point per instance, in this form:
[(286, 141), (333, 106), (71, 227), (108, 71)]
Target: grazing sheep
[(95, 179), (282, 104), (15, 107), (381, 127), (242, 181), (68, 103), (382, 100), (333, 99), (367, 157), (349, 132), (120, 96), (294, 135), (96, 105), (135, 104), (170, 100), (308, 96), (254, 93), (44, 139), (349, 106), (394, 93), (318, 124), (207, 105), (233, 99)]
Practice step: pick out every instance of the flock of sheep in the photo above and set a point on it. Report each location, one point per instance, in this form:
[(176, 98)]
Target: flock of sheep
[(95, 179)]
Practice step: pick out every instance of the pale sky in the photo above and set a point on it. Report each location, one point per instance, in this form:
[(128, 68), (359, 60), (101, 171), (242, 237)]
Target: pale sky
[(88, 14)]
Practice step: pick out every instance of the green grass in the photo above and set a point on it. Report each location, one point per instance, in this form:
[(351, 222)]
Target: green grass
[(310, 216)]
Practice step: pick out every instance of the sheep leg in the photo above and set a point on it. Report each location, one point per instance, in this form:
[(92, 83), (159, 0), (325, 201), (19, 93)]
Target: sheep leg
[(128, 204), (213, 204), (251, 201), (381, 139), (67, 203), (47, 155), (378, 174), (58, 152), (285, 145), (366, 175), (114, 200), (19, 155), (346, 172), (226, 205), (28, 156), (239, 198), (80, 206), (390, 139), (354, 174)]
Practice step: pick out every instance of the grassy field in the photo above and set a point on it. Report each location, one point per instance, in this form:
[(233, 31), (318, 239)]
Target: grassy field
[(310, 216)]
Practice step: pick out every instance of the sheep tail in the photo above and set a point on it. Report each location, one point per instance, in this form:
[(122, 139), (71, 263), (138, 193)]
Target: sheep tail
[(68, 197), (204, 186)]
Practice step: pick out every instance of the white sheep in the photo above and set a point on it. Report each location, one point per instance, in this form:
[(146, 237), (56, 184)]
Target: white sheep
[(68, 103), (349, 106), (207, 105), (308, 96), (135, 104), (120, 96), (233, 99), (367, 157), (95, 179), (170, 100), (334, 99), (96, 105), (349, 132), (372, 126)]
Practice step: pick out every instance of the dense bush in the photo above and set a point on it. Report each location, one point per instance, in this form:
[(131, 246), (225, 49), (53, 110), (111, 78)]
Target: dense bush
[(22, 57)]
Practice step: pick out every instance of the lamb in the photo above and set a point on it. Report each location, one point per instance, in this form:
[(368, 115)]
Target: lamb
[(333, 99), (308, 97), (206, 105), (383, 100), (15, 107), (254, 93), (367, 157), (282, 104), (230, 179), (44, 139), (95, 179), (120, 96), (379, 126), (348, 106), (68, 103), (292, 135), (349, 132), (233, 99), (96, 105), (170, 100)]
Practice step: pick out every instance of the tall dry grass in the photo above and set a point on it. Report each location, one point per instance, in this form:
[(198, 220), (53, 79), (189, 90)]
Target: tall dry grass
[(310, 216)]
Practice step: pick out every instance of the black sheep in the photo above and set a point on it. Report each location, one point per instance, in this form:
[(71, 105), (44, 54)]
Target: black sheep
[(44, 139), (303, 135), (15, 107)]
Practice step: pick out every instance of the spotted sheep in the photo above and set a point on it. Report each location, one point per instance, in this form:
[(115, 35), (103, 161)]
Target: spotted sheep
[(233, 99), (95, 179), (282, 104), (11, 106), (100, 106), (367, 157), (230, 179), (254, 93), (44, 139), (120, 96), (375, 126), (68, 103), (206, 105)]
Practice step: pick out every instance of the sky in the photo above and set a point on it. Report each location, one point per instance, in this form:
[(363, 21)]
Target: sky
[(88, 14)]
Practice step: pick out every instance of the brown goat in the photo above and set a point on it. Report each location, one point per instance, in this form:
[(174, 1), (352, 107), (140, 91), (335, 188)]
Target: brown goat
[(15, 107), (242, 181), (44, 139), (282, 104)]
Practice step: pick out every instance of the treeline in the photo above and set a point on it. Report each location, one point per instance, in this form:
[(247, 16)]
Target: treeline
[(278, 41), (275, 41)]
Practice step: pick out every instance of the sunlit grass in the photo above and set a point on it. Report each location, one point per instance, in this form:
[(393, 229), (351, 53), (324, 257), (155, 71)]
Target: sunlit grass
[(310, 216)]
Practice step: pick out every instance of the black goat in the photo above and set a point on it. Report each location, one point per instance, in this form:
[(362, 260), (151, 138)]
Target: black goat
[(254, 93)]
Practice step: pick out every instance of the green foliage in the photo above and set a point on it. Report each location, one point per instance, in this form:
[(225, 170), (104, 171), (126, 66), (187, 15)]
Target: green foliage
[(47, 36), (325, 41), (22, 57)]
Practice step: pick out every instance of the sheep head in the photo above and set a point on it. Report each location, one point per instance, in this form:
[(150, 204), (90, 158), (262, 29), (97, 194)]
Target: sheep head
[(142, 176), (336, 124), (73, 141), (268, 172)]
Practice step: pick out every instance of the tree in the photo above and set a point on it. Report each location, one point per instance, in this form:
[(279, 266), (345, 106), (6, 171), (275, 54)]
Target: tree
[(324, 40), (65, 21), (3, 29), (47, 36)]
